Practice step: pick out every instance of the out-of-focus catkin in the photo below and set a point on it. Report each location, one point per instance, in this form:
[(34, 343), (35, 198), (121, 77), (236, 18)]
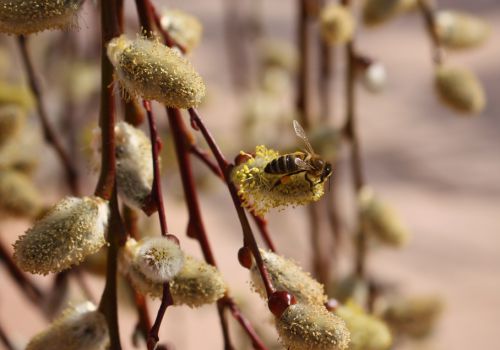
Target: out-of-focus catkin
[(146, 68), (379, 11), (460, 89), (367, 332), (337, 24), (197, 284), (288, 276), (18, 195), (21, 17), (185, 29), (12, 118), (134, 164), (73, 229), (459, 30), (381, 220), (415, 316), (78, 328), (308, 327)]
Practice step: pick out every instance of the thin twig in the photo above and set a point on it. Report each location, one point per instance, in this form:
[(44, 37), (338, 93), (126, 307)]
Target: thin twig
[(428, 10), (49, 133), (4, 339), (204, 157)]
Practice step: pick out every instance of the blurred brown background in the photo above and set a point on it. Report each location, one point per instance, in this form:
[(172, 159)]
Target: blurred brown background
[(439, 170)]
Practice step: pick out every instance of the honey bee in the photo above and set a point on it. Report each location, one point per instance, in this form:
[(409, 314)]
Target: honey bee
[(294, 163)]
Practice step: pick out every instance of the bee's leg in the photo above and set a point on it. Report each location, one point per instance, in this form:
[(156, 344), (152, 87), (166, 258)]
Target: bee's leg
[(282, 180), (311, 183)]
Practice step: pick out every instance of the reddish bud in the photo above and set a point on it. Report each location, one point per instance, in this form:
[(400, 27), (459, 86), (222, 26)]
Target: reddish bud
[(245, 257), (279, 301), (332, 305), (174, 239)]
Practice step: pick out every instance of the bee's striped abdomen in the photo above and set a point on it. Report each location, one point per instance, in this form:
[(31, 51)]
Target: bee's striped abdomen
[(282, 165)]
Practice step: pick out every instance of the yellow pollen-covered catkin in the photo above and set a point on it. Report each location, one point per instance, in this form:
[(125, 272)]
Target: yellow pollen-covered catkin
[(78, 328), (460, 89), (288, 276), (12, 120), (337, 24), (31, 16), (185, 29), (460, 30), (147, 69), (18, 195), (381, 220), (70, 231), (311, 327), (134, 164), (14, 94), (376, 12), (367, 332), (257, 188), (415, 316)]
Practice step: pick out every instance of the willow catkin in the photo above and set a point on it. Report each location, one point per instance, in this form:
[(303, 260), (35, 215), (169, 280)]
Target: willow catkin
[(19, 95), (73, 229), (380, 220), (12, 118), (18, 195), (374, 77), (367, 332), (78, 328), (311, 327), (460, 30), (336, 24), (134, 164), (376, 12), (31, 16), (288, 276), (460, 89), (145, 68), (185, 29)]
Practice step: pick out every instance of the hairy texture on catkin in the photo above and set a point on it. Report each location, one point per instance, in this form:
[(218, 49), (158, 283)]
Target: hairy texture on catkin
[(311, 327), (197, 284), (379, 11), (78, 328), (158, 258), (73, 229), (288, 276), (18, 195), (256, 187), (134, 164), (148, 69), (460, 89), (184, 28), (459, 30), (367, 331), (381, 220), (415, 316), (31, 16), (12, 120), (337, 24)]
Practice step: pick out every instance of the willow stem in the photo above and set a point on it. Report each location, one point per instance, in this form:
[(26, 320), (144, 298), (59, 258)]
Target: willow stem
[(5, 340), (428, 10)]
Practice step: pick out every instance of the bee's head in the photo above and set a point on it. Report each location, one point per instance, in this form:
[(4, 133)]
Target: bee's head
[(327, 171)]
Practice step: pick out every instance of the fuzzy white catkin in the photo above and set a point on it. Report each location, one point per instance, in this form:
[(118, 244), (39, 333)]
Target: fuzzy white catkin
[(374, 77), (73, 229), (158, 258), (78, 328)]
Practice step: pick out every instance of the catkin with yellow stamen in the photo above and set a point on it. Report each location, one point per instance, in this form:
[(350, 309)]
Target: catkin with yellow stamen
[(367, 332), (78, 328), (459, 30), (145, 68), (257, 188), (185, 29), (12, 119), (414, 316), (381, 220), (73, 229), (288, 276), (311, 327), (379, 11), (18, 195), (16, 94), (337, 24), (460, 89), (21, 17), (134, 164), (197, 284)]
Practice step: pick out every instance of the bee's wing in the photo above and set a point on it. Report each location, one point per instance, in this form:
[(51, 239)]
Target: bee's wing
[(299, 131), (302, 164)]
